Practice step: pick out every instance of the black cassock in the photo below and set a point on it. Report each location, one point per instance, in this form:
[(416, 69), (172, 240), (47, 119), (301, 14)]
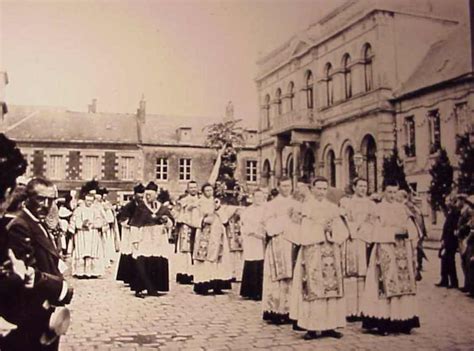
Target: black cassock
[(151, 265)]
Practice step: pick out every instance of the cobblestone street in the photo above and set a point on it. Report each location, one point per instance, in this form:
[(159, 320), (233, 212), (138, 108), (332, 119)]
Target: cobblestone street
[(106, 316)]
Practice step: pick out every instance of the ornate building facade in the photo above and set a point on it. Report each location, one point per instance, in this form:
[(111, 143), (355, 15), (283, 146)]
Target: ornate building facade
[(325, 94), (333, 97), (435, 106)]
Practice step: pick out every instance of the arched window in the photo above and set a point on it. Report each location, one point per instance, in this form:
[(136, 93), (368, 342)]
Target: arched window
[(266, 174), (291, 96), (368, 78), (331, 168), (346, 61), (278, 102), (266, 113), (349, 165), (329, 85), (309, 90), (369, 154)]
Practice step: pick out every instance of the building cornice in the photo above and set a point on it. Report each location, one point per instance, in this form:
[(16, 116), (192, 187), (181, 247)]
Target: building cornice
[(324, 38), (466, 77), (75, 144)]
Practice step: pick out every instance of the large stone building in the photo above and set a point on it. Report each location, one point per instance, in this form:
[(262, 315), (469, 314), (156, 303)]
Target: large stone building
[(119, 150), (334, 97), (434, 106)]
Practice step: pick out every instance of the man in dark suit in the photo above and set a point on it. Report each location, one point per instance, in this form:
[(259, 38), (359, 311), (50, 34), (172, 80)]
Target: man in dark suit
[(32, 307), (449, 247)]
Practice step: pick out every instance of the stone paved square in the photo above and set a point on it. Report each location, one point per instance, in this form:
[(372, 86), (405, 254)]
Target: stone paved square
[(106, 316)]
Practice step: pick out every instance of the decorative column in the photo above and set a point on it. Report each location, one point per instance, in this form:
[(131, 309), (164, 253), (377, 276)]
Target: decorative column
[(273, 182), (296, 162), (338, 86), (339, 173), (278, 161)]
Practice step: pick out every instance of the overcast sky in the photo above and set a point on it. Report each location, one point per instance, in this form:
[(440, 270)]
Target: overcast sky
[(187, 57)]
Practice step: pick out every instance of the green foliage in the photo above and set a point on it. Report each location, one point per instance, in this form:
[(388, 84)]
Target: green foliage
[(225, 133), (441, 181), (393, 171), (466, 165)]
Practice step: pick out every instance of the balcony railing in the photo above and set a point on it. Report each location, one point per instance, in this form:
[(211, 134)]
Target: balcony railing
[(303, 119)]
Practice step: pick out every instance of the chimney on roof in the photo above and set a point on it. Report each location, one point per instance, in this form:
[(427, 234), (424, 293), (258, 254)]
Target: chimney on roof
[(93, 106), (141, 111), (184, 135)]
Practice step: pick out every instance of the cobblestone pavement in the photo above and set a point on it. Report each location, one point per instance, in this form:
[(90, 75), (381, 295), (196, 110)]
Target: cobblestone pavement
[(106, 316)]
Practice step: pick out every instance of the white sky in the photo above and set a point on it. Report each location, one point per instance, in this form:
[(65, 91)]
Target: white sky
[(188, 57)]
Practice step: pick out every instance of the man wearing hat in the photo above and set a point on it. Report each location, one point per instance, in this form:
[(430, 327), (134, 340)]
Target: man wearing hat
[(150, 244), (125, 217)]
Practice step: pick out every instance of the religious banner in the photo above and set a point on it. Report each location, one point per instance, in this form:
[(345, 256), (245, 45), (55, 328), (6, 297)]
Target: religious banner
[(322, 271)]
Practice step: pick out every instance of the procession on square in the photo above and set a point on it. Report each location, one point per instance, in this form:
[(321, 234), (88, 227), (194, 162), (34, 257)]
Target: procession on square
[(339, 215)]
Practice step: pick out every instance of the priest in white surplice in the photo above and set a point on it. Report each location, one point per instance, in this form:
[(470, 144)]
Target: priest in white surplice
[(278, 265), (318, 279), (389, 299), (359, 213)]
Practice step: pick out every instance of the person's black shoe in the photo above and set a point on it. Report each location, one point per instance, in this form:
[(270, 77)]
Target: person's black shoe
[(310, 335), (140, 295), (441, 285), (351, 319), (464, 289), (332, 334), (453, 286), (297, 328), (218, 292), (406, 331), (153, 293)]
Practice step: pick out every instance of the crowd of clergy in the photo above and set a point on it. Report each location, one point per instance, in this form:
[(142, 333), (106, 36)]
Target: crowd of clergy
[(314, 263)]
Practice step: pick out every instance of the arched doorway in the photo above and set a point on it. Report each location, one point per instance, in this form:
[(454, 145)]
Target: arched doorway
[(266, 173), (350, 171), (369, 167), (331, 168), (308, 165)]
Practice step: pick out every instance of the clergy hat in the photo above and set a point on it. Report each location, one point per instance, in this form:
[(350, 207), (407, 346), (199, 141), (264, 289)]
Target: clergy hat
[(152, 186), (139, 189), (102, 191)]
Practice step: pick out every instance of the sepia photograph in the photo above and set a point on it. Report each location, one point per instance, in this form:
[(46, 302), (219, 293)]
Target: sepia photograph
[(236, 175)]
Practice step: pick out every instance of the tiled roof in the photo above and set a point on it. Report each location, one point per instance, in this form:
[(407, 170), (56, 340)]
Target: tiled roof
[(162, 129), (445, 60), (33, 123), (55, 124)]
